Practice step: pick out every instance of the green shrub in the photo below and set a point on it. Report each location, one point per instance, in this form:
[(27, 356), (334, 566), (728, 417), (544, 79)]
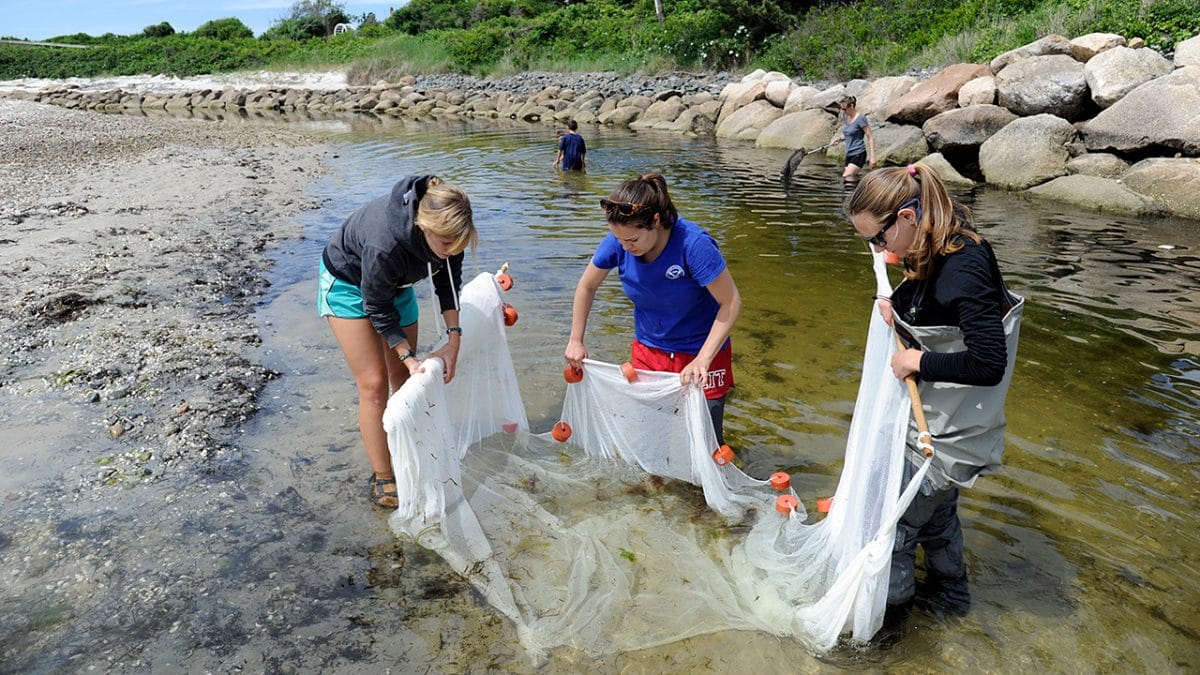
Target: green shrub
[(224, 29), (158, 30)]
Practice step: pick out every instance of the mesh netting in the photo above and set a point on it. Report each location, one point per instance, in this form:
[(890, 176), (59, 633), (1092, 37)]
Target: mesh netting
[(583, 544)]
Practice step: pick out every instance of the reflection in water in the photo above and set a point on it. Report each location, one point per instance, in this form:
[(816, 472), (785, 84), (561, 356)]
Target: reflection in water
[(1084, 553)]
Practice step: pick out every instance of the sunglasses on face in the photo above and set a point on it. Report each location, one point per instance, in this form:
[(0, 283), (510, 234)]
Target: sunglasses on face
[(621, 208), (877, 239)]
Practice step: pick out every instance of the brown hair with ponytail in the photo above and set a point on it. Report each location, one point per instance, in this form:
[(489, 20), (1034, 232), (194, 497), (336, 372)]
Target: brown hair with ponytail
[(646, 196), (942, 220)]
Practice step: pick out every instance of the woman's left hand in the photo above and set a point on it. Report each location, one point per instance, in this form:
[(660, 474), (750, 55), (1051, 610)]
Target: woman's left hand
[(695, 372), (449, 356), (906, 362)]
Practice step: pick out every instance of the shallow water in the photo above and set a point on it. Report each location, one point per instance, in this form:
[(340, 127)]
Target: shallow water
[(1084, 553)]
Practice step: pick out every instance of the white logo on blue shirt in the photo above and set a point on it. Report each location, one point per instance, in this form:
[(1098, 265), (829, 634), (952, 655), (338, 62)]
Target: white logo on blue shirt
[(674, 272)]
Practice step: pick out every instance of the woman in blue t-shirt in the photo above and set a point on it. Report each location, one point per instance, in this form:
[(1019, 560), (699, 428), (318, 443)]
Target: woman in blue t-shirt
[(684, 298)]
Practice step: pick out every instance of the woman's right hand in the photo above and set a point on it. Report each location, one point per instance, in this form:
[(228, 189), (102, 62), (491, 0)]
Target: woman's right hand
[(885, 310), (575, 353)]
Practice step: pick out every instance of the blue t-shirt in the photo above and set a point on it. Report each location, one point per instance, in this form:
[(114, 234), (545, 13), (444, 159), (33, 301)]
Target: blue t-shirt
[(573, 149), (672, 309)]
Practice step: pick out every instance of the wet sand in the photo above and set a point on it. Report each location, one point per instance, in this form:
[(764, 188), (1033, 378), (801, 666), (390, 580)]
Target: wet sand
[(135, 254)]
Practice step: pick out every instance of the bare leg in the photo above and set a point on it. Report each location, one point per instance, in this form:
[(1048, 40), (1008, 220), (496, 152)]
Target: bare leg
[(375, 368), (850, 172)]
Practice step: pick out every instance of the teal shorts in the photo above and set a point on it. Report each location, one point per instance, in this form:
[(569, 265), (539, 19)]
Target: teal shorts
[(345, 301)]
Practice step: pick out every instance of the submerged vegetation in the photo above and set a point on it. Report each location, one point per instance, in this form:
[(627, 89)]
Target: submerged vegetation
[(811, 39)]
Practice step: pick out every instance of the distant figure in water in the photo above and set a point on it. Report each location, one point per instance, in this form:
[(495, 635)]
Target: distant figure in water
[(860, 142), (572, 150)]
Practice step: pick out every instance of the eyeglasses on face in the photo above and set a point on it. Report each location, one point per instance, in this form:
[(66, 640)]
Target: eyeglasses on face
[(877, 239), (622, 208)]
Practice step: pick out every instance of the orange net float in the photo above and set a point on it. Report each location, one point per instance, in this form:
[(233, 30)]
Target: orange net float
[(781, 481), (786, 504), (824, 504), (510, 314), (561, 432), (505, 281), (723, 455), (572, 375), (628, 371)]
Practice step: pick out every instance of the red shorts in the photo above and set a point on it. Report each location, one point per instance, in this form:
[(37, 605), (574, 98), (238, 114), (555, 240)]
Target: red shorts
[(720, 371)]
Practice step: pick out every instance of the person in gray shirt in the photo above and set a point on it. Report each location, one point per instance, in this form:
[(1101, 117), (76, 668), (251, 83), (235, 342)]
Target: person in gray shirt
[(420, 229)]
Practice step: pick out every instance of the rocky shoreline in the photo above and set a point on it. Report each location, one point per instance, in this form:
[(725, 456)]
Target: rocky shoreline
[(1098, 121), (137, 252)]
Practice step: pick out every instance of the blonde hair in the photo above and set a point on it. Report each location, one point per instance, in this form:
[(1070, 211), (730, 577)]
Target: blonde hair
[(445, 211), (941, 220)]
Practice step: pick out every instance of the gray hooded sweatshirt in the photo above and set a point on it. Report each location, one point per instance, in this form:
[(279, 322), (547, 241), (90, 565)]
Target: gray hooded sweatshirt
[(381, 250)]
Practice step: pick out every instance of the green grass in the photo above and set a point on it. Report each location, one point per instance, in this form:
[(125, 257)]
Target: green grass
[(831, 41)]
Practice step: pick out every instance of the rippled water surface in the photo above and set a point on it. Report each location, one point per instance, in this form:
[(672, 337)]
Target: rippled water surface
[(1084, 553)]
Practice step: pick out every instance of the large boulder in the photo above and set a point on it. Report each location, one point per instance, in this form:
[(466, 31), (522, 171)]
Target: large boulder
[(1051, 44), (875, 99), (698, 119), (1030, 150), (741, 96), (827, 99), (659, 115), (1084, 47), (1187, 53), (1044, 84), (965, 128), (804, 129), (1096, 194), (979, 91), (1118, 71), (798, 99), (899, 144), (935, 95), (747, 122), (620, 116), (777, 92), (1160, 113), (946, 171), (1099, 164), (1172, 182)]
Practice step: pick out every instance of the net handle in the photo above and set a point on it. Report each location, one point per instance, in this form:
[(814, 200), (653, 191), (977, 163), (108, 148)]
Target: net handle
[(924, 438)]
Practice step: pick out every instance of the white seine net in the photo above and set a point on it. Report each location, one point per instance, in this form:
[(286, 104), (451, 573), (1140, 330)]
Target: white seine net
[(583, 545)]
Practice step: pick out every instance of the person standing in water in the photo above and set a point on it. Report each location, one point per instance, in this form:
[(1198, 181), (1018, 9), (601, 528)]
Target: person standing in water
[(368, 268), (684, 299), (572, 150), (860, 142), (961, 326)]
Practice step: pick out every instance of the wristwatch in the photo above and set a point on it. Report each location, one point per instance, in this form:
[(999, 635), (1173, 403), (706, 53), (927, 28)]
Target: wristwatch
[(410, 354), (454, 329)]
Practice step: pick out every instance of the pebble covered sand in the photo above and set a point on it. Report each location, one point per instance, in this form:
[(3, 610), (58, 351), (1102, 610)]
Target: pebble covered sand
[(134, 252)]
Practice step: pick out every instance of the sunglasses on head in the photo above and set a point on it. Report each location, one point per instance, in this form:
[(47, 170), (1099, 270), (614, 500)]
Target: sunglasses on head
[(621, 208), (877, 238)]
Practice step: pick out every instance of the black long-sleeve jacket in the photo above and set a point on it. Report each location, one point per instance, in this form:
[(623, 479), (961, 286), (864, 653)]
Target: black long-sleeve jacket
[(381, 250), (964, 289)]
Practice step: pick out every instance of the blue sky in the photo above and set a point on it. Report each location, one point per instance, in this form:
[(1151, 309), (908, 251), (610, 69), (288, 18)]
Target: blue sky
[(34, 20)]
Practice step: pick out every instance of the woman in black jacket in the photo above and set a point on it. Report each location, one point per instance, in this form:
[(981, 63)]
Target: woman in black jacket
[(960, 325), (367, 272)]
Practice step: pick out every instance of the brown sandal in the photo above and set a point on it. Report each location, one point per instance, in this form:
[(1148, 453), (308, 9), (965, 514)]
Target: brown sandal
[(380, 496)]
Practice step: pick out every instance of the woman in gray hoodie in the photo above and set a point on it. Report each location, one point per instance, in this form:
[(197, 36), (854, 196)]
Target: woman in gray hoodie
[(367, 272)]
